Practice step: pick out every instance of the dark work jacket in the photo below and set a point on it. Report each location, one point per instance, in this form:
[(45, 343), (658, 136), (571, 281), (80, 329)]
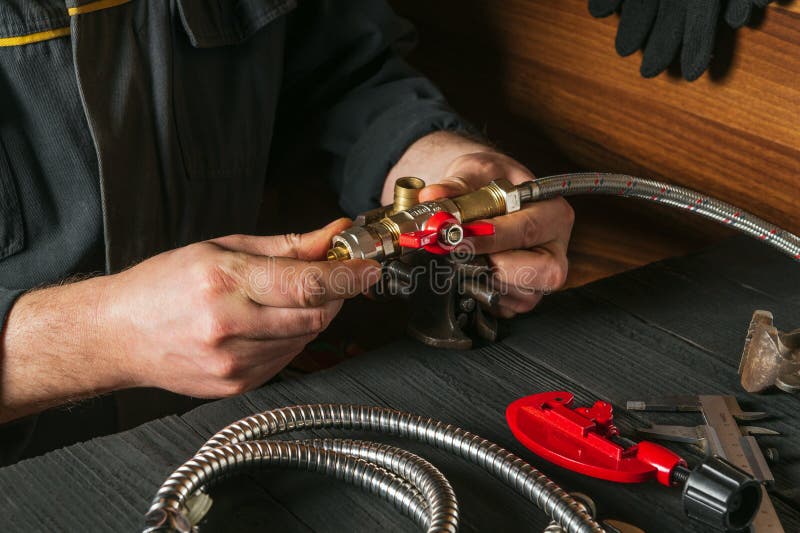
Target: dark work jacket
[(132, 127)]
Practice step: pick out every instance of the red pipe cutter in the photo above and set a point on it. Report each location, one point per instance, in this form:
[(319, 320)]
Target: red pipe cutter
[(585, 440)]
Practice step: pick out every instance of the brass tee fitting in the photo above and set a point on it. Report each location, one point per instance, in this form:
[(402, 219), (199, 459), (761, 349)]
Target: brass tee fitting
[(376, 237)]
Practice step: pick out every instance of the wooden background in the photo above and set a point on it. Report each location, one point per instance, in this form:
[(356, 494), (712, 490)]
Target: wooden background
[(543, 79)]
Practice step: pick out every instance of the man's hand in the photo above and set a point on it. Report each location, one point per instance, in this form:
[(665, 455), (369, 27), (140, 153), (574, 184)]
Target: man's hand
[(210, 319), (529, 250), (221, 317)]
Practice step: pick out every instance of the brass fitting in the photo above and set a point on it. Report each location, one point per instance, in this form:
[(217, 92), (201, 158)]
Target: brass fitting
[(406, 193), (379, 239), (497, 198), (338, 253)]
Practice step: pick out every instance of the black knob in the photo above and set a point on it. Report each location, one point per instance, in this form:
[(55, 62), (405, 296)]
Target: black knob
[(721, 495)]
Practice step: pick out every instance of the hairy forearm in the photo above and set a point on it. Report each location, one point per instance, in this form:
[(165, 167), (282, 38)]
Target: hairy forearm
[(52, 350), (210, 319), (429, 157)]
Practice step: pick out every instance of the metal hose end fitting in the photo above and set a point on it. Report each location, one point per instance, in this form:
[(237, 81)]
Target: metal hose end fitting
[(167, 520), (338, 252)]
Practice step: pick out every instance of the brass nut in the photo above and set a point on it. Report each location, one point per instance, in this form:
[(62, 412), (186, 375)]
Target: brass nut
[(497, 198), (452, 234), (509, 193)]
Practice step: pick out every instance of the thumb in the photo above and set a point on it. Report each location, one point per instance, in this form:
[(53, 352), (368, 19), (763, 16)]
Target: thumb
[(306, 246)]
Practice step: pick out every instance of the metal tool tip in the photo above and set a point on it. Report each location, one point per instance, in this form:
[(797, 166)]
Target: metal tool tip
[(634, 405), (750, 415), (756, 430)]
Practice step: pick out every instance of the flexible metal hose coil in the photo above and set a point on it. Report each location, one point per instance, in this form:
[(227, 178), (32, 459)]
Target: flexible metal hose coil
[(672, 195), (411, 484)]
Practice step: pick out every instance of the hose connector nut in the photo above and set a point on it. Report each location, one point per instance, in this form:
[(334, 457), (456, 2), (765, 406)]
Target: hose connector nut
[(167, 519), (358, 242), (451, 234), (510, 194)]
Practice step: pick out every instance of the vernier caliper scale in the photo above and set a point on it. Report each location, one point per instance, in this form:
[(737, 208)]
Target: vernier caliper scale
[(722, 436)]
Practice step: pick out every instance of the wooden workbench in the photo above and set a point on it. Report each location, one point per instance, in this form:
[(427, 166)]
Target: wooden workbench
[(670, 328)]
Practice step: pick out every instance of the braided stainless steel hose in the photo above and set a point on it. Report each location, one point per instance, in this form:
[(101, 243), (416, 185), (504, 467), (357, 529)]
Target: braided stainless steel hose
[(664, 193), (411, 484)]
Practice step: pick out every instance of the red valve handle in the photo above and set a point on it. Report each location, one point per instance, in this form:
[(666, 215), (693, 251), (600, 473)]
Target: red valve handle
[(585, 440), (478, 229), (428, 236)]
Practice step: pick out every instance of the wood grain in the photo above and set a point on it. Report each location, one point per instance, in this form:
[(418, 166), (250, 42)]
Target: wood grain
[(734, 133)]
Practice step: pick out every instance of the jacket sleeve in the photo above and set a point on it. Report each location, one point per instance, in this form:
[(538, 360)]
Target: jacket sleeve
[(347, 84), (7, 299)]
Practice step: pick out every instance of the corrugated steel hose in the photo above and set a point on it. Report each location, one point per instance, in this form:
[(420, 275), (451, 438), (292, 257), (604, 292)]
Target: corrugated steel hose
[(414, 486)]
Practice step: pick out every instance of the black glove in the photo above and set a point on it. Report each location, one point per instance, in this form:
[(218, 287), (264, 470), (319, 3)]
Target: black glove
[(661, 27), (603, 8), (737, 12)]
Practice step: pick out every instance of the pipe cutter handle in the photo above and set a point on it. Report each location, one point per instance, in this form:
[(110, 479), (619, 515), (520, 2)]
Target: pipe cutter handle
[(585, 440)]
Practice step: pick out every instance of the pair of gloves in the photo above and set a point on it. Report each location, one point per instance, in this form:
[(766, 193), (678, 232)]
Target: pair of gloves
[(662, 27)]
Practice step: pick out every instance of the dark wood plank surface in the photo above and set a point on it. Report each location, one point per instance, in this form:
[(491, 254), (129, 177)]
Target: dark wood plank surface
[(670, 328)]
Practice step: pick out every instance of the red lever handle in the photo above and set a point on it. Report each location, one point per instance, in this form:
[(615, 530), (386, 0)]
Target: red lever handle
[(478, 229), (418, 239), (428, 236)]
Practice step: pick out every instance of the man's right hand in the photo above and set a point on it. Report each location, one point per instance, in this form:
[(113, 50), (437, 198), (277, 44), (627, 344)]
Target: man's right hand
[(211, 319)]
